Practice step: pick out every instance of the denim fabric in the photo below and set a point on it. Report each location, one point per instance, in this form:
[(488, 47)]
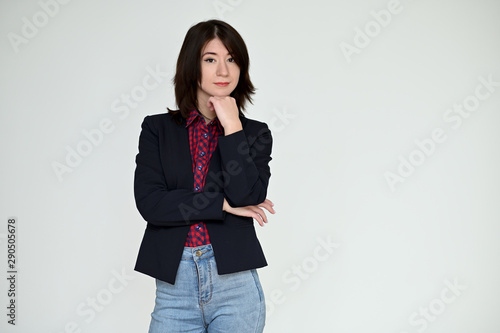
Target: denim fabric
[(201, 301)]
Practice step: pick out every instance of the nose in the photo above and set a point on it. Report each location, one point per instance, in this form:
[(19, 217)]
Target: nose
[(222, 69)]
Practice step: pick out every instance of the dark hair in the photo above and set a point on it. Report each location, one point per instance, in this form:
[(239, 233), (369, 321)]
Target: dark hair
[(188, 72)]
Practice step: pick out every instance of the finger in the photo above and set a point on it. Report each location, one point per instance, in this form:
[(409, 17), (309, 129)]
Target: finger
[(269, 202), (261, 213), (267, 206), (257, 218), (272, 206), (257, 213), (210, 104)]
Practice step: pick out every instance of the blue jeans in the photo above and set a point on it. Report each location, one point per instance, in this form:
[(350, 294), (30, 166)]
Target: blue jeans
[(201, 301)]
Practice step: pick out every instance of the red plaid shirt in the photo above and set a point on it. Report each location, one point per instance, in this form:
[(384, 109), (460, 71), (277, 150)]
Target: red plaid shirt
[(202, 142)]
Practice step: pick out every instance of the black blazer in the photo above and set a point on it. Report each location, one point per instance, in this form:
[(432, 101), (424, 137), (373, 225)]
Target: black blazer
[(163, 188)]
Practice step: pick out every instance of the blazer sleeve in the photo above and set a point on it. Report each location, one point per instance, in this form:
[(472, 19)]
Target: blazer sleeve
[(160, 205), (245, 157)]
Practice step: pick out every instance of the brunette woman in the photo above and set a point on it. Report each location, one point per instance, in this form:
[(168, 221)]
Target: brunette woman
[(201, 180)]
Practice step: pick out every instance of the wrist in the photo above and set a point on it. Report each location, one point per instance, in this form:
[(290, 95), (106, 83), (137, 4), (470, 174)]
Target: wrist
[(232, 128), (225, 206)]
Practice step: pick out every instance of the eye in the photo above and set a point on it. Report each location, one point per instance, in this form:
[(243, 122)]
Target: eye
[(231, 60), (210, 60)]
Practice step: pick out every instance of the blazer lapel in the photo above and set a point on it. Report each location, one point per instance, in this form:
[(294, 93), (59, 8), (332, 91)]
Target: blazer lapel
[(176, 154)]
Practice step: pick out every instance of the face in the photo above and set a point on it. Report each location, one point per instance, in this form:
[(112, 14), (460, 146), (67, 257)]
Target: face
[(219, 72)]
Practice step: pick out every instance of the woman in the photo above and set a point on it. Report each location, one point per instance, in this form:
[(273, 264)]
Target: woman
[(201, 178)]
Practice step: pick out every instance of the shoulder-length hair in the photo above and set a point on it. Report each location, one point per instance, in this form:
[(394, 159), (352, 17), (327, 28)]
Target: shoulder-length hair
[(188, 72)]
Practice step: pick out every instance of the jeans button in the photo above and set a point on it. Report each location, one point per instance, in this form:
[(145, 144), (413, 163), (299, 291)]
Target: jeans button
[(198, 253)]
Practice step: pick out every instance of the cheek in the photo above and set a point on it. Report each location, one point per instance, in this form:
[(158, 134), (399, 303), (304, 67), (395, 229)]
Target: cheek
[(205, 73), (236, 74)]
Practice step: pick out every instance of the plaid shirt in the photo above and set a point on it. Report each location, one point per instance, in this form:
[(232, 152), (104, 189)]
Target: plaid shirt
[(202, 142)]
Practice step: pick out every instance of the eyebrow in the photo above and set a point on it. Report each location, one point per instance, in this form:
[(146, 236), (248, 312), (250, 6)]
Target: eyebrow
[(214, 53)]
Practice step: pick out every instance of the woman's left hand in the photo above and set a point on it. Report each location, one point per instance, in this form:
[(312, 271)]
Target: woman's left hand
[(256, 212), (227, 113)]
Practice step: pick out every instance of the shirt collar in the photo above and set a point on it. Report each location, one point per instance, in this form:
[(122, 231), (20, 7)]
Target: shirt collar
[(195, 115)]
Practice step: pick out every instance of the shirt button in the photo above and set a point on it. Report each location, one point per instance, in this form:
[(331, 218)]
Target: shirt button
[(198, 253), (197, 188), (202, 153), (205, 135), (200, 167)]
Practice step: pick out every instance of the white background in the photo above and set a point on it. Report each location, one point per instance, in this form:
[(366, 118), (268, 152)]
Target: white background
[(341, 122)]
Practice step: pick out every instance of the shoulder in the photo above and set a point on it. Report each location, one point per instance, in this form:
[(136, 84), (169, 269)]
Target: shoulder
[(254, 127), (253, 124), (162, 121)]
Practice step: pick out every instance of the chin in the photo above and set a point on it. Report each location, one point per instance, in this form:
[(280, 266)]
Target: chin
[(222, 94)]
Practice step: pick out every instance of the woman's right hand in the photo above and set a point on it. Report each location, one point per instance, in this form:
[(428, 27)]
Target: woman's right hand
[(251, 211)]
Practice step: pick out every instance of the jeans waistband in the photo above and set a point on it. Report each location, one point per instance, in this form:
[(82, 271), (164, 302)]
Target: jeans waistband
[(199, 252)]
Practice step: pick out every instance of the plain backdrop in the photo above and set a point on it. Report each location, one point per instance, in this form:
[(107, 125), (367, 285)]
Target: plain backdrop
[(387, 112)]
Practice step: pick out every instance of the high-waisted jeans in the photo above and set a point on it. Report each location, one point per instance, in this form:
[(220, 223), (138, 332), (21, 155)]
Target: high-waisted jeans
[(202, 301)]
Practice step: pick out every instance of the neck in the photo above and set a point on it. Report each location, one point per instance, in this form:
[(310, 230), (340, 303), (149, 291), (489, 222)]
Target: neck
[(207, 119), (204, 110)]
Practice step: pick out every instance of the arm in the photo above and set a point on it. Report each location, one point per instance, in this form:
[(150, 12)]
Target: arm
[(160, 205), (245, 154), (245, 161), (252, 211)]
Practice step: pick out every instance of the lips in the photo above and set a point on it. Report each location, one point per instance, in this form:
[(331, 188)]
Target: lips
[(222, 84)]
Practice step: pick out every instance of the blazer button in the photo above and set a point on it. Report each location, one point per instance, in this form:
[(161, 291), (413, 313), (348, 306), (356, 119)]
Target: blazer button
[(198, 253)]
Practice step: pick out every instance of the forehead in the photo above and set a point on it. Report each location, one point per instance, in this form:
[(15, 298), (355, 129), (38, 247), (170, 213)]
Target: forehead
[(215, 46)]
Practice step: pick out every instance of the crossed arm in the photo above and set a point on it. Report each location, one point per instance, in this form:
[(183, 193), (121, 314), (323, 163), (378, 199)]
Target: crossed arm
[(244, 192)]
